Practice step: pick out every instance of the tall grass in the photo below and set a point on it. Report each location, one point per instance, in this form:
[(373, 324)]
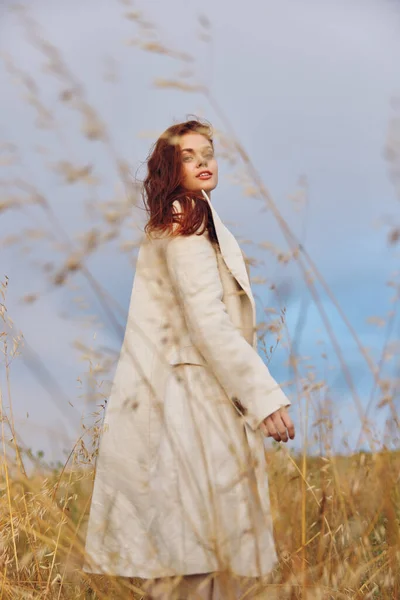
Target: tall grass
[(336, 516)]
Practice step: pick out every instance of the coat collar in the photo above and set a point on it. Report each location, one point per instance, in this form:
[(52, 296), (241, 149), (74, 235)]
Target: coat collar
[(232, 254)]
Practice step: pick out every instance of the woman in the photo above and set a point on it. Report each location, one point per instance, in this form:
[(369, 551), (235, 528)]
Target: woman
[(181, 486)]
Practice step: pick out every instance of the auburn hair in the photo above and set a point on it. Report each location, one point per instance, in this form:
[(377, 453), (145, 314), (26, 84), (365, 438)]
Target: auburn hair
[(163, 185)]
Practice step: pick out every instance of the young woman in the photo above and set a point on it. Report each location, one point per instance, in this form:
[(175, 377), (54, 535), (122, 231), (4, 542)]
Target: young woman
[(181, 487)]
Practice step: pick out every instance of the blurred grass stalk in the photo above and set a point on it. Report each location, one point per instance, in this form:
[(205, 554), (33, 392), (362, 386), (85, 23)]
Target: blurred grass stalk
[(336, 516)]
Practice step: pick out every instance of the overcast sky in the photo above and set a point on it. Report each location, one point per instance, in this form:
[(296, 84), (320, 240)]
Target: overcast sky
[(308, 88)]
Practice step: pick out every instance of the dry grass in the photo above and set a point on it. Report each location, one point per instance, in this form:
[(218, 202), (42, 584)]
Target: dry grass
[(350, 527), (336, 517)]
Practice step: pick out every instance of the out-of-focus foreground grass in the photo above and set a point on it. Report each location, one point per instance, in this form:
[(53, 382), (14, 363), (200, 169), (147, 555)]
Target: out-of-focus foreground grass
[(336, 516), (337, 536), (336, 519)]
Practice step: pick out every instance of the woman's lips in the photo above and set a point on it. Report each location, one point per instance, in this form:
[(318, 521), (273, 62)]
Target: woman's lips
[(204, 176)]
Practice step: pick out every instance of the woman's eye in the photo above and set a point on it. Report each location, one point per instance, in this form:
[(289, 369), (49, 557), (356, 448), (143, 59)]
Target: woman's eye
[(208, 156)]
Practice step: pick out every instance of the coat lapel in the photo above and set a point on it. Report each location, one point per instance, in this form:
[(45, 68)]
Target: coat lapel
[(232, 255)]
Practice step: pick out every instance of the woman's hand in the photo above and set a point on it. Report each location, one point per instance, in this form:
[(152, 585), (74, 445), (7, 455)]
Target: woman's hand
[(279, 425)]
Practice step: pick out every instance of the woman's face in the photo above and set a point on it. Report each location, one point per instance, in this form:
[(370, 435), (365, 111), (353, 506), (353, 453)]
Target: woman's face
[(200, 168)]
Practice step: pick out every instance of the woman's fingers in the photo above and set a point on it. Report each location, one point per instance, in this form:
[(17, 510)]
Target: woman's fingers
[(272, 430), (288, 423), (279, 425)]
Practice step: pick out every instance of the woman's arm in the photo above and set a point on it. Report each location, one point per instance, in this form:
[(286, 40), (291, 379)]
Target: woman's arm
[(193, 268)]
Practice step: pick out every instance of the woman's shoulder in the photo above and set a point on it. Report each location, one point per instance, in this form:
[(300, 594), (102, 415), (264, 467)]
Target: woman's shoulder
[(178, 226)]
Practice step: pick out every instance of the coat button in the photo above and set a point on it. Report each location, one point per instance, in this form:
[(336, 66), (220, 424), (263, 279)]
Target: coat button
[(239, 406)]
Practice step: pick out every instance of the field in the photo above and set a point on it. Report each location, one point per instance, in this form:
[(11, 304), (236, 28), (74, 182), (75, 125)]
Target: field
[(336, 523)]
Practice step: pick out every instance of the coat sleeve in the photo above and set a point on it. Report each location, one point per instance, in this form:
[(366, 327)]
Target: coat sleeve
[(193, 268)]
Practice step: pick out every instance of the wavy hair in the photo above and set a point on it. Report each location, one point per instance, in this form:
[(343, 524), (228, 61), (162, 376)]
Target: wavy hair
[(163, 185)]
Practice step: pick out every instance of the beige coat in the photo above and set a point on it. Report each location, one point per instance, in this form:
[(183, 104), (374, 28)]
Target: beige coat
[(181, 484)]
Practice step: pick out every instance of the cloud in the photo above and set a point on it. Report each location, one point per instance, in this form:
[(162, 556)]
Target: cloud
[(307, 90)]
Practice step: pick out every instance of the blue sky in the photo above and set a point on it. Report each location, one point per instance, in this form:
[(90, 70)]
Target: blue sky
[(307, 88)]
